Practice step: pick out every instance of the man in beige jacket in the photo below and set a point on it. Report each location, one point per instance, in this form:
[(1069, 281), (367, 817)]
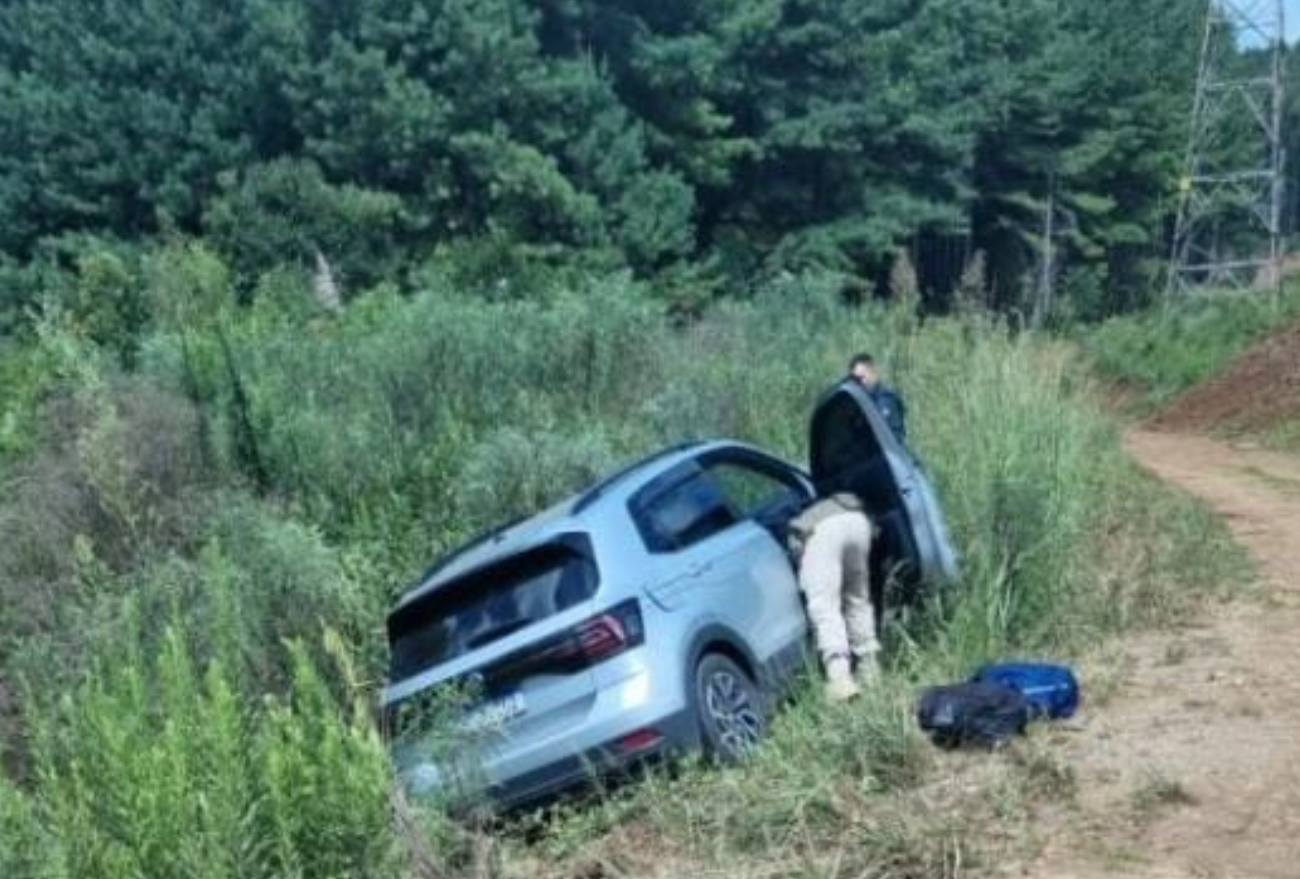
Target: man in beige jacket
[(832, 539)]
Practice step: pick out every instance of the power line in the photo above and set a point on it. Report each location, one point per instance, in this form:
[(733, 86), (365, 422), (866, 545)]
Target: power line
[(1228, 233)]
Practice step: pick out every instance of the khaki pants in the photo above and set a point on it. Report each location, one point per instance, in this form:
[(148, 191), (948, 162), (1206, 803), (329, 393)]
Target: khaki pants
[(835, 577)]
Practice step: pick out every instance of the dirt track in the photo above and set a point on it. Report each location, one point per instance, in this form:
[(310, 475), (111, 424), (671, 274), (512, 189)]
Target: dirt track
[(1193, 769)]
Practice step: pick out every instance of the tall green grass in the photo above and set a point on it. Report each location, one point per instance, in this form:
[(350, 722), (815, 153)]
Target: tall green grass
[(160, 767), (342, 454), (421, 422)]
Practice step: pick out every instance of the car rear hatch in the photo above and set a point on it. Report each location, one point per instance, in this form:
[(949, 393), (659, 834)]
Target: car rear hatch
[(515, 642)]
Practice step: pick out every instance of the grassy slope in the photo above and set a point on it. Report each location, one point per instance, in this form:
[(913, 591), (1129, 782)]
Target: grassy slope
[(1161, 353), (1154, 356), (388, 435)]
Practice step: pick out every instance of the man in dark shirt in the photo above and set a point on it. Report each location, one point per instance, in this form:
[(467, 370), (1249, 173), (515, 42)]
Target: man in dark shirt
[(863, 368)]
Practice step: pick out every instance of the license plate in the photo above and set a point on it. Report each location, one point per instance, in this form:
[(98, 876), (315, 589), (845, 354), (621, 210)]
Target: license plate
[(496, 714)]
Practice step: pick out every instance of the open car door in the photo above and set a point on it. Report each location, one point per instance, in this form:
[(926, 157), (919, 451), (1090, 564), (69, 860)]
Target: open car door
[(851, 448)]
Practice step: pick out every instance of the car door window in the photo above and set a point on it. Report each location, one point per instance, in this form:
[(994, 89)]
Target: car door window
[(751, 491), (683, 514)]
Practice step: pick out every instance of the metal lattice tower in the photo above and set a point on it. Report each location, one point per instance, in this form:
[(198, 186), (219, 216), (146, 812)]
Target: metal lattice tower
[(1229, 228)]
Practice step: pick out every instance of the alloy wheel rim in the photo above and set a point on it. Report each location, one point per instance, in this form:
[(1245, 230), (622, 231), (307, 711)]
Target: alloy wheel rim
[(731, 709)]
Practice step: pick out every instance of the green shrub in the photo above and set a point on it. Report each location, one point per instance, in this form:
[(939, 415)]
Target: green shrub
[(286, 212), (159, 767), (92, 283), (27, 850), (366, 422), (21, 386), (247, 582), (188, 285), (512, 473), (113, 474), (255, 582)]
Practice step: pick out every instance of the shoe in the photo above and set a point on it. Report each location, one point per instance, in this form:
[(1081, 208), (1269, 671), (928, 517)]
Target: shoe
[(867, 673), (840, 686), (844, 690)]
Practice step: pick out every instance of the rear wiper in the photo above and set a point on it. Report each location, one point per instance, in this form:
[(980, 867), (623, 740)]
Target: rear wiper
[(493, 634)]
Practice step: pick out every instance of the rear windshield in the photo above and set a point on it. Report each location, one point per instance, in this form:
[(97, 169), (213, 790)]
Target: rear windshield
[(488, 605)]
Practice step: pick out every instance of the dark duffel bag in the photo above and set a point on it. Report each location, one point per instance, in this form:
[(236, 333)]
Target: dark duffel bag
[(982, 714)]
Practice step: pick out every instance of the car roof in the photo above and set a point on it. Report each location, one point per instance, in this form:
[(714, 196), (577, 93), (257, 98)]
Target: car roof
[(575, 513)]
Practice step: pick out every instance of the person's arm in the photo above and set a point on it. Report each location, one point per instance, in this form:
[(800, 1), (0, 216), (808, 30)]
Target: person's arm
[(901, 408)]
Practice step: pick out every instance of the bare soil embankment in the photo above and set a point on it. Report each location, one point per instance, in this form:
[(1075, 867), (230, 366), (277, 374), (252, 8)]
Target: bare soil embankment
[(1258, 391)]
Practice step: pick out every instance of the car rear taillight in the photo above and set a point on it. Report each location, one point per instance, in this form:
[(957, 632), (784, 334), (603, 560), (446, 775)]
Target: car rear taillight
[(611, 633), (593, 640), (578, 647)]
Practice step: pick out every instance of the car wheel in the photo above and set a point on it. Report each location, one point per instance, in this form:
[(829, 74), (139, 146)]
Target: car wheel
[(729, 706)]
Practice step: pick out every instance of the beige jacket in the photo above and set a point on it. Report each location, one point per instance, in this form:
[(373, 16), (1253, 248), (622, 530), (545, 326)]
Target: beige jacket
[(803, 525)]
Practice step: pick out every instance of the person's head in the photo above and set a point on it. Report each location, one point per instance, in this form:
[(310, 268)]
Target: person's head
[(863, 368)]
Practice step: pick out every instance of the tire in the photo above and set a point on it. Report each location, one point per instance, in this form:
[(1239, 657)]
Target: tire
[(729, 708)]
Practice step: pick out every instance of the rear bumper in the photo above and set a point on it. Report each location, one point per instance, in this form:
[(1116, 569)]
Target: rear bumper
[(680, 731), (679, 735), (524, 768), (631, 698)]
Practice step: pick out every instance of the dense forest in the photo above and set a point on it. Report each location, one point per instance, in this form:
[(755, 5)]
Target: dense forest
[(705, 146)]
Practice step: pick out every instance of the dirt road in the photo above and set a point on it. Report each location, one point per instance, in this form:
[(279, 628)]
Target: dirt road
[(1193, 769)]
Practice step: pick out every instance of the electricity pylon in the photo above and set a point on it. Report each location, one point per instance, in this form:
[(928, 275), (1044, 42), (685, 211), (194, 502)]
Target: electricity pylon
[(1229, 228)]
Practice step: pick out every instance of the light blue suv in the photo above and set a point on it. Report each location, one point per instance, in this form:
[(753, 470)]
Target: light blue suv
[(658, 612)]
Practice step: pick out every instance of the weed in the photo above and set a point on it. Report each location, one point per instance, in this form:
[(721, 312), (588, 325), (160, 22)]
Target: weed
[(1046, 774), (1156, 792), (1175, 653), (1283, 436)]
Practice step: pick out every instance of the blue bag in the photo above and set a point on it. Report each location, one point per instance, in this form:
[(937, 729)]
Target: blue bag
[(1052, 690)]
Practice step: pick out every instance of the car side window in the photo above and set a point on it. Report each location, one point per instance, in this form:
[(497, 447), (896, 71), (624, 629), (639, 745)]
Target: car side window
[(753, 491), (683, 514)]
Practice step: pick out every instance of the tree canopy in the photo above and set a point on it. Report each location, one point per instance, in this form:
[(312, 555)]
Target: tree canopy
[(714, 141)]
